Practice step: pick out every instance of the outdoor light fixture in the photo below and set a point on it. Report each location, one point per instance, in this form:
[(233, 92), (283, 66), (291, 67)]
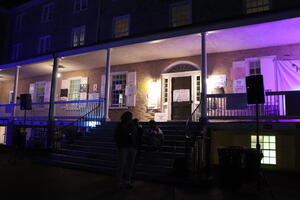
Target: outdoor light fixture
[(155, 41), (58, 75)]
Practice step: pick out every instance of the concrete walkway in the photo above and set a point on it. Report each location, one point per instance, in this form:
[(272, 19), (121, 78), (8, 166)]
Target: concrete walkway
[(25, 179)]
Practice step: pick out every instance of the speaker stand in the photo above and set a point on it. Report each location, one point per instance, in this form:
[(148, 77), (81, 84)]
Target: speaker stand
[(25, 115), (257, 127)]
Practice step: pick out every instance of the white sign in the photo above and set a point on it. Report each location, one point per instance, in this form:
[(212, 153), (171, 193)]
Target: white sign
[(95, 87), (130, 90), (181, 95), (239, 86), (161, 117), (217, 80), (93, 96)]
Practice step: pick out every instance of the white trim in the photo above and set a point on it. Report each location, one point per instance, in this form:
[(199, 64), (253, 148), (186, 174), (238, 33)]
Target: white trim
[(169, 76), (185, 62)]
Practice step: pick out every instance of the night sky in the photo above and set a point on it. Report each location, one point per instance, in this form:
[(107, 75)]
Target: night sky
[(12, 3)]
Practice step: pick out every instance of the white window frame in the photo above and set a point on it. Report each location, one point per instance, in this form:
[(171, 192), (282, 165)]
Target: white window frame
[(257, 6), (36, 93), (124, 106), (45, 44), (268, 148), (120, 34), (257, 66), (16, 51), (83, 6), (19, 22), (69, 88), (80, 41), (47, 13), (178, 4)]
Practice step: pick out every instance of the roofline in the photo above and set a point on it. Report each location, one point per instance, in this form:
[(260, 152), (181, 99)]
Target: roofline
[(26, 6), (159, 36)]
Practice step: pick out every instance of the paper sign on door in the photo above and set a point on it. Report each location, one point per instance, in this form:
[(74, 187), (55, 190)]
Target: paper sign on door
[(181, 95)]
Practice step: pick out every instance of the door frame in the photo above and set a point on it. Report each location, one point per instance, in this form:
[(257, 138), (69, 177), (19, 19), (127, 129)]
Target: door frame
[(167, 106)]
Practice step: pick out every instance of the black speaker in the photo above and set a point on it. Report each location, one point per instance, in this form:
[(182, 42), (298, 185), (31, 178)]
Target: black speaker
[(255, 89), (25, 102)]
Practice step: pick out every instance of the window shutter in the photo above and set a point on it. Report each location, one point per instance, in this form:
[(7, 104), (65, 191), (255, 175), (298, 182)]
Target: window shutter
[(83, 94), (47, 91), (131, 89), (32, 91), (103, 79)]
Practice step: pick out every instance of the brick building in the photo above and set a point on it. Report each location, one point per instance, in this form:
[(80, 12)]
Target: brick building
[(148, 57)]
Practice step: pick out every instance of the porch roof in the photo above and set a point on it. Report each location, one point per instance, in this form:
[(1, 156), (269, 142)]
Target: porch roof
[(276, 33)]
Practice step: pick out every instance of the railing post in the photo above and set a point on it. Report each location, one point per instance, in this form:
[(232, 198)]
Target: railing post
[(10, 132), (203, 77), (52, 101), (107, 81)]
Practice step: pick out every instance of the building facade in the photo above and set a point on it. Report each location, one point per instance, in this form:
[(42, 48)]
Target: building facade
[(157, 59)]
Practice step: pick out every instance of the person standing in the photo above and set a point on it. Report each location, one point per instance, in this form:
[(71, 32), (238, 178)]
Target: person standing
[(126, 139)]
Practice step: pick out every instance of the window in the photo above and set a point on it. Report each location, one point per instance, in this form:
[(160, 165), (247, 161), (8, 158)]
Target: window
[(47, 12), (254, 67), (121, 26), (118, 90), (40, 92), (166, 90), (44, 44), (80, 5), (74, 94), (254, 6), (19, 22), (78, 36), (198, 89), (16, 51), (268, 147), (181, 14)]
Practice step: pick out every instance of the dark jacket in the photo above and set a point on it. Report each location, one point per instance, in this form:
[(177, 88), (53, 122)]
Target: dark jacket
[(126, 135)]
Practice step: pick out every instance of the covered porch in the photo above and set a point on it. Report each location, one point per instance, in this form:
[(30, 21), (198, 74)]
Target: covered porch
[(161, 78)]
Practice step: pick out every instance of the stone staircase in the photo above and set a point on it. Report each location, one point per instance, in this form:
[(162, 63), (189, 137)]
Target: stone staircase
[(96, 152)]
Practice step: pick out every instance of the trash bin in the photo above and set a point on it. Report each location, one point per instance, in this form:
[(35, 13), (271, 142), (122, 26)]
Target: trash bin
[(231, 163)]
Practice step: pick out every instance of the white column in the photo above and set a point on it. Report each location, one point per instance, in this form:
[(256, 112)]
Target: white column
[(203, 77), (107, 84), (52, 101), (9, 133)]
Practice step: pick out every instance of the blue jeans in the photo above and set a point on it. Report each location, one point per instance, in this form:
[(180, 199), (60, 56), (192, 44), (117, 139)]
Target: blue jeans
[(126, 160)]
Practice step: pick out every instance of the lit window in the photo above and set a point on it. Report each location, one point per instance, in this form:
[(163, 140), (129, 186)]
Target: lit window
[(255, 6), (19, 22), (78, 36), (16, 51), (74, 94), (181, 14), (40, 92), (80, 5), (47, 12), (268, 147), (166, 90), (254, 67), (118, 90), (44, 44), (121, 26)]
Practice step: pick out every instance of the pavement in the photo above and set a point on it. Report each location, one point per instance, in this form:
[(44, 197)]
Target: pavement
[(23, 178)]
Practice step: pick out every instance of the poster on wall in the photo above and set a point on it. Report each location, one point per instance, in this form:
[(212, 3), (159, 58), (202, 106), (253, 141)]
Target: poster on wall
[(181, 95), (83, 88), (239, 86), (94, 96)]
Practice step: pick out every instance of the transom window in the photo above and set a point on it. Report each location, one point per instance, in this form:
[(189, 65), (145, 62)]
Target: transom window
[(78, 36), (268, 147), (19, 22), (44, 44), (121, 26), (254, 67), (254, 6), (118, 90), (16, 51), (40, 92), (74, 94), (80, 5), (47, 13), (181, 14)]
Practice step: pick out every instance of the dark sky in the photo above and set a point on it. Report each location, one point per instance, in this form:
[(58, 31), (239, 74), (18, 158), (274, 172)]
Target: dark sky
[(11, 3)]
